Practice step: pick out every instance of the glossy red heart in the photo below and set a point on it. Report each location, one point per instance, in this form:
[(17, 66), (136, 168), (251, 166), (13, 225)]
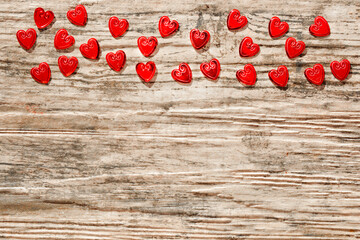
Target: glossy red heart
[(280, 76), (211, 69), (183, 74), (26, 39), (63, 40), (116, 60), (67, 66), (315, 75), (43, 19), (248, 48), (235, 20), (294, 48), (118, 27), (41, 74), (247, 76), (146, 71), (167, 27), (78, 16), (340, 70), (320, 28), (199, 39), (277, 28), (147, 45), (90, 49)]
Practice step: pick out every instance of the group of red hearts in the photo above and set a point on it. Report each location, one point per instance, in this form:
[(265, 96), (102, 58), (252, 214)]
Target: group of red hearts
[(199, 40)]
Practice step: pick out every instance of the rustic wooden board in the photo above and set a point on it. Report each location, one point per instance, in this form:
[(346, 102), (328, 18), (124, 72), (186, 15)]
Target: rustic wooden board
[(100, 155)]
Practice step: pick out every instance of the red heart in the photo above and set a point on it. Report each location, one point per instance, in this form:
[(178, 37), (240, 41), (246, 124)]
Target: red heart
[(116, 60), (340, 70), (43, 19), (183, 74), (247, 76), (277, 28), (235, 20), (67, 66), (279, 77), (199, 39), (26, 39), (167, 27), (248, 48), (320, 28), (294, 48), (147, 45), (118, 27), (211, 69), (42, 73), (146, 71), (77, 16), (63, 40), (315, 75), (90, 49)]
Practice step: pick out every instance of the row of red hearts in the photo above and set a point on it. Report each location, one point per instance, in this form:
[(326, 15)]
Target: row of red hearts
[(147, 46)]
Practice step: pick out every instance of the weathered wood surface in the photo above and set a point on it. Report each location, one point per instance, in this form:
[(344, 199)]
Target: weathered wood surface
[(100, 155)]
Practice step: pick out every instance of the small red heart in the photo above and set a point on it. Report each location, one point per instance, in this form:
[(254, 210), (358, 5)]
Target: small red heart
[(294, 48), (118, 27), (43, 19), (67, 66), (340, 70), (90, 49), (167, 27), (77, 16), (199, 39), (277, 28), (279, 77), (320, 28), (63, 40), (42, 73), (247, 76), (147, 45), (116, 60), (146, 71), (248, 48), (211, 69), (315, 75), (235, 20), (183, 74), (26, 39)]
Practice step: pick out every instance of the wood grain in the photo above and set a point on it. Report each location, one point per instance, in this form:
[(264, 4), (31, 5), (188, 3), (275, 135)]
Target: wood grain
[(100, 155)]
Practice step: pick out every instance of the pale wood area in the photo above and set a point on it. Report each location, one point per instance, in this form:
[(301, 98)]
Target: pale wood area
[(100, 155)]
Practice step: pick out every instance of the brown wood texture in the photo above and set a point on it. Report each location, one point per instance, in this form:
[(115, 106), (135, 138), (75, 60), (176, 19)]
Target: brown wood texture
[(100, 155)]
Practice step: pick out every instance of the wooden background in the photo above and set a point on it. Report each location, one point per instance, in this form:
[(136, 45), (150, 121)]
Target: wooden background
[(100, 155)]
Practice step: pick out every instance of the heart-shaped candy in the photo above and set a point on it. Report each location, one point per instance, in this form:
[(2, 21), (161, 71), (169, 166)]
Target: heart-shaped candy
[(43, 19), (78, 16), (199, 39), (320, 28), (211, 69), (63, 40), (294, 48), (118, 27), (90, 49), (340, 70), (277, 28), (146, 71), (183, 74), (167, 27), (26, 39), (280, 76), (247, 76), (67, 66), (41, 74), (147, 45), (116, 60), (315, 75), (235, 20), (248, 48)]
